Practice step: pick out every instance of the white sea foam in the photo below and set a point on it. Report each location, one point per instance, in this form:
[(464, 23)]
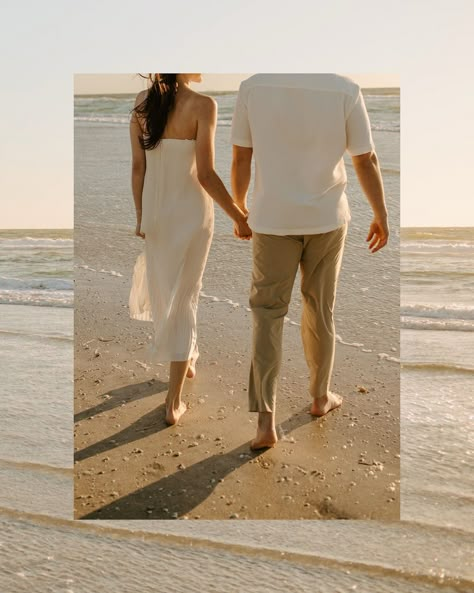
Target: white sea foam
[(110, 272), (121, 120), (43, 336), (353, 344), (436, 245), (438, 311), (84, 267), (436, 324), (37, 300), (289, 321), (34, 243), (7, 284), (387, 357), (436, 366), (36, 240)]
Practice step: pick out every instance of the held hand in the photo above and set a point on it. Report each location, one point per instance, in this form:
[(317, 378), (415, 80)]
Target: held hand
[(138, 231), (378, 234), (242, 230)]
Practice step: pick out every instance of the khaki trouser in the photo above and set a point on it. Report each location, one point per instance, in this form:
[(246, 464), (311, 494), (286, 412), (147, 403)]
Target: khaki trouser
[(275, 263)]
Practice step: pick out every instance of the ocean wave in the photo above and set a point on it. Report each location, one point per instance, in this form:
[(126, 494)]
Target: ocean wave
[(402, 573), (9, 246), (36, 241), (437, 244), (59, 337), (464, 312), (125, 120), (40, 467), (51, 283), (438, 233), (393, 128), (121, 98), (38, 298), (381, 95), (103, 119), (437, 325), (434, 366), (437, 274)]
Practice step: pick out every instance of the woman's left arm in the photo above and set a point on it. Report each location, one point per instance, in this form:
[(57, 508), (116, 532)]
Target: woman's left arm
[(138, 165)]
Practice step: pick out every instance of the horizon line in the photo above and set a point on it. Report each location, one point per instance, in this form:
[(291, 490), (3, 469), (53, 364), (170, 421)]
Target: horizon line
[(364, 88)]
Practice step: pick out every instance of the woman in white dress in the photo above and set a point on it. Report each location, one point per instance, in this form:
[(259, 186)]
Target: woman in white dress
[(172, 131)]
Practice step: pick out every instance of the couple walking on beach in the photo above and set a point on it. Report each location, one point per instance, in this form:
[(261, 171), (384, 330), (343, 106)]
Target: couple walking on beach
[(297, 127)]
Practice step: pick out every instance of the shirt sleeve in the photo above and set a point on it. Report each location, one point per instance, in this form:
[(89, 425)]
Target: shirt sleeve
[(358, 134), (241, 134)]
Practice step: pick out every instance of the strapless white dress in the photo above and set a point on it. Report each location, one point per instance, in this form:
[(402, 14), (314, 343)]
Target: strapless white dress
[(178, 222)]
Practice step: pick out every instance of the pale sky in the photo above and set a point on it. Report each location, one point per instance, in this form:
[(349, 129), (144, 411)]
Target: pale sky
[(91, 84), (427, 42)]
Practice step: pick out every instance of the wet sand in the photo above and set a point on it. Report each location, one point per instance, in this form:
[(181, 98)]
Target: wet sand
[(130, 465)]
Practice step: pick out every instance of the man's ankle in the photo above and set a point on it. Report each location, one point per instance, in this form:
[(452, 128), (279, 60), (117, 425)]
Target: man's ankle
[(266, 420)]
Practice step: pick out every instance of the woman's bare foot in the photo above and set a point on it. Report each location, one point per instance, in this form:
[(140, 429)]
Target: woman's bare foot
[(174, 412), (266, 432), (191, 372), (323, 405)]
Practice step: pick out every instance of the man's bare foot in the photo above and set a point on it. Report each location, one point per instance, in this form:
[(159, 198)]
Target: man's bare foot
[(174, 413), (191, 372), (266, 432), (323, 405), (264, 440)]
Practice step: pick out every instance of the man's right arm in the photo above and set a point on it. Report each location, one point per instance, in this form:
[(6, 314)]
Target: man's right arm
[(368, 173), (364, 158)]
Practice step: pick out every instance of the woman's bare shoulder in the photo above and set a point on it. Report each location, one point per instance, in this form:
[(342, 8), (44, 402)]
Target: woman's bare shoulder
[(204, 102)]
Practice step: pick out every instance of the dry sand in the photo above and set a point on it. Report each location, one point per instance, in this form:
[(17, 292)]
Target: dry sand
[(130, 465)]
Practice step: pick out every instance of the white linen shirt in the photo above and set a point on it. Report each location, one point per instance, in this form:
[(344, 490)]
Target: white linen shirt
[(299, 126)]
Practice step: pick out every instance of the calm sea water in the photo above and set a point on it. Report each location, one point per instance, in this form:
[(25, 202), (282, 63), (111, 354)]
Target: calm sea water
[(437, 316), (44, 551), (36, 300), (35, 268)]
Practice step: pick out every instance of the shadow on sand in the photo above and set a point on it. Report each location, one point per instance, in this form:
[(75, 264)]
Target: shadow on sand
[(149, 424), (122, 395), (179, 493)]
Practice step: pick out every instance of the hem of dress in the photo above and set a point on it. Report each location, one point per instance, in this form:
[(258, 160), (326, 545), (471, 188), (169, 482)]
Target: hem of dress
[(146, 316), (153, 354)]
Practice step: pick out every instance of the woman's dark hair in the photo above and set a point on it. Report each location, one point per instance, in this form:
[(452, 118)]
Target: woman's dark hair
[(156, 107)]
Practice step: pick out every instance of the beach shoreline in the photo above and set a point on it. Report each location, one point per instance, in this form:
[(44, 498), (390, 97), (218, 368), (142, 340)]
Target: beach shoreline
[(130, 465)]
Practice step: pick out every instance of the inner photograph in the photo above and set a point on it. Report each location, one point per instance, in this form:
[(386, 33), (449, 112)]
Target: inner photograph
[(236, 296)]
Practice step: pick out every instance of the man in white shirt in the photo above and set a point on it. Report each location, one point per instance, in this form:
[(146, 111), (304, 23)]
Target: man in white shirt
[(298, 127)]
